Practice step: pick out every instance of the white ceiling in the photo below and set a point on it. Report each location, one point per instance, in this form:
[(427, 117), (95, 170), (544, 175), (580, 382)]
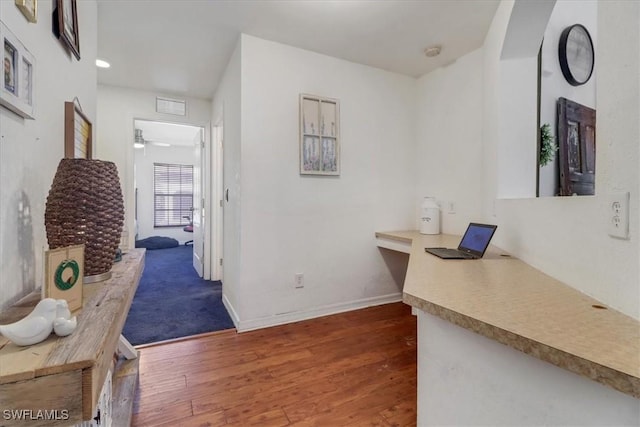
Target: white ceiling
[(183, 46)]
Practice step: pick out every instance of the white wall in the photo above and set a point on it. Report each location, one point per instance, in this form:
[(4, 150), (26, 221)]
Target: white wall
[(144, 160), (320, 226), (449, 163), (226, 108), (554, 85), (117, 109), (31, 149), (567, 237), (500, 386), (516, 163)]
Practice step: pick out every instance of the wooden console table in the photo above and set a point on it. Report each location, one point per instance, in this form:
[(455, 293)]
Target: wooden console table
[(66, 374)]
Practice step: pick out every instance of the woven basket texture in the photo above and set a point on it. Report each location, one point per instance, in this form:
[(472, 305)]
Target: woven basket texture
[(85, 206)]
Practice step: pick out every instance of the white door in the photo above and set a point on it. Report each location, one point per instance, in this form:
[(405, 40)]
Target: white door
[(198, 214)]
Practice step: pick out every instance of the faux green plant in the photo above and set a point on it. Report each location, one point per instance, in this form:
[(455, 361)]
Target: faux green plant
[(548, 147)]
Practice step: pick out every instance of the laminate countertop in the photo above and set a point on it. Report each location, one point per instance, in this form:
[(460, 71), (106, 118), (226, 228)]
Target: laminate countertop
[(505, 299)]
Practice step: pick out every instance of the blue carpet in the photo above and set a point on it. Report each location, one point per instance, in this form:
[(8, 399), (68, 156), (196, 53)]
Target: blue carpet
[(172, 301)]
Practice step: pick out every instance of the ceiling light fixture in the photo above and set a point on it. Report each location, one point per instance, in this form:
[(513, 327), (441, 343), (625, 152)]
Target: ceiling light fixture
[(138, 140), (433, 51), (102, 64)]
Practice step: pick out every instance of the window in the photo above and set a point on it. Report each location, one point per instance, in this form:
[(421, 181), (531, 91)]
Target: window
[(173, 194)]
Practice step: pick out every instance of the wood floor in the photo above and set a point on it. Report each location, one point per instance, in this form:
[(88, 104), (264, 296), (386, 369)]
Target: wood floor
[(351, 369)]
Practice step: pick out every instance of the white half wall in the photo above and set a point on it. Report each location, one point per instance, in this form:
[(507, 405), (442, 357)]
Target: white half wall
[(144, 160), (322, 227), (30, 150), (117, 109), (500, 386)]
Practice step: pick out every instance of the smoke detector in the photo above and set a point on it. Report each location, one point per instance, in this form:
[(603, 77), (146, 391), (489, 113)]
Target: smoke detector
[(432, 51)]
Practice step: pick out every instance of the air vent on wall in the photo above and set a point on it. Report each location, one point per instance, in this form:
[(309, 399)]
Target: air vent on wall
[(176, 107)]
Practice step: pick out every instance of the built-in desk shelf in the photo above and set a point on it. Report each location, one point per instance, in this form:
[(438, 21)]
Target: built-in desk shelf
[(67, 374), (507, 300)]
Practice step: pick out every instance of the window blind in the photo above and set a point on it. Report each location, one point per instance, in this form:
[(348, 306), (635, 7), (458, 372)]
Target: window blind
[(173, 194)]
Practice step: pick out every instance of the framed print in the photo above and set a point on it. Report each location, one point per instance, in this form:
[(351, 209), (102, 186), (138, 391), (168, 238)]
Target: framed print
[(77, 133), (64, 270), (319, 135), (29, 9), (10, 67), (66, 18), (16, 93)]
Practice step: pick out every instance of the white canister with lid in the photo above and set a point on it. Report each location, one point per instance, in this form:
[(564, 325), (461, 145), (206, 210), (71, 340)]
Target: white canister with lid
[(429, 216)]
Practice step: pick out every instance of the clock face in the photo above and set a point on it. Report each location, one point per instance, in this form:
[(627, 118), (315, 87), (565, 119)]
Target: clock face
[(576, 54)]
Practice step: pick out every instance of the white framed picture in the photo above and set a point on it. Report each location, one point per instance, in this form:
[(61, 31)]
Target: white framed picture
[(319, 135), (18, 67)]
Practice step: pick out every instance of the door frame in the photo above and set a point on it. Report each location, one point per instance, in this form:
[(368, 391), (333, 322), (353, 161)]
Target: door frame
[(216, 206), (209, 249)]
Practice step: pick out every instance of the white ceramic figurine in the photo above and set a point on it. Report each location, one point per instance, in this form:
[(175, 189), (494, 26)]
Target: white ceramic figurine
[(63, 327), (64, 324), (48, 315)]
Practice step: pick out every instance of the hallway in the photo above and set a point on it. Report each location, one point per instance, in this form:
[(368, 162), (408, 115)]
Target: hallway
[(354, 368)]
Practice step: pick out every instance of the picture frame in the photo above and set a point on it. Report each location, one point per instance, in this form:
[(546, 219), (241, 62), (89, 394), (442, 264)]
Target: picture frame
[(78, 130), (18, 70), (319, 135), (64, 271), (66, 24), (29, 9)]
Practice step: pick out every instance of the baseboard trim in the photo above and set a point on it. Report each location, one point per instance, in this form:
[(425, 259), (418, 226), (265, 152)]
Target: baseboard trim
[(297, 316), (230, 310)]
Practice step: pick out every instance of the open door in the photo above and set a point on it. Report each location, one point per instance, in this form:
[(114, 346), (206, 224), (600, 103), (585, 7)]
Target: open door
[(577, 148), (198, 214)]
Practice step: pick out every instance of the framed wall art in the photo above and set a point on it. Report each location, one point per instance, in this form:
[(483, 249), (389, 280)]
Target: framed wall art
[(64, 270), (29, 9), (65, 25), (319, 135), (18, 65), (77, 132)]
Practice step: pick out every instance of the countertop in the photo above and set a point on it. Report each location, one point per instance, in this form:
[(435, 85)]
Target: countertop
[(505, 299)]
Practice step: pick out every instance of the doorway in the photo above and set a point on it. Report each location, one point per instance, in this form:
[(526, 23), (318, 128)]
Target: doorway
[(170, 189), (173, 220)]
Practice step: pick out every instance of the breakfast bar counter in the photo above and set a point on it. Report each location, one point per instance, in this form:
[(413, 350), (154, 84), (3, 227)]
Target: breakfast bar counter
[(506, 300)]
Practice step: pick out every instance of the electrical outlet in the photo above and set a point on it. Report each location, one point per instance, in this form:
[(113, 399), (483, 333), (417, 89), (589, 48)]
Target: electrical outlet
[(451, 207), (618, 215), (298, 280)]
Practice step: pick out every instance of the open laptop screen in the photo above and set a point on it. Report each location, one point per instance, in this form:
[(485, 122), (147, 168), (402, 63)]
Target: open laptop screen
[(477, 238)]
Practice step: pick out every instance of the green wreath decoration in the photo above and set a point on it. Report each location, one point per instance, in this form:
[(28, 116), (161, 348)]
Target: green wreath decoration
[(75, 269)]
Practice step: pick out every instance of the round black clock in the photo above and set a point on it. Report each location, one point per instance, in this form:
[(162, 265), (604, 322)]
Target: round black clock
[(576, 54)]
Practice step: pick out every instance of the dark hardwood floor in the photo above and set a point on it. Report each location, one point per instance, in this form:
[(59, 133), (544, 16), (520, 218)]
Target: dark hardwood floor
[(350, 369)]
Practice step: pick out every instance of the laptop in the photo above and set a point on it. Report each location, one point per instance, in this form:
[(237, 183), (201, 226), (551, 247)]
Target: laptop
[(472, 246)]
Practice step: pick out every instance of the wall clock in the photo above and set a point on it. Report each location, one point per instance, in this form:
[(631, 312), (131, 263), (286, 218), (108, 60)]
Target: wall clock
[(576, 54)]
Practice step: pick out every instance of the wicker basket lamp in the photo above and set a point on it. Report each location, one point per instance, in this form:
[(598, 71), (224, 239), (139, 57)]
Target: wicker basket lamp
[(85, 206)]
